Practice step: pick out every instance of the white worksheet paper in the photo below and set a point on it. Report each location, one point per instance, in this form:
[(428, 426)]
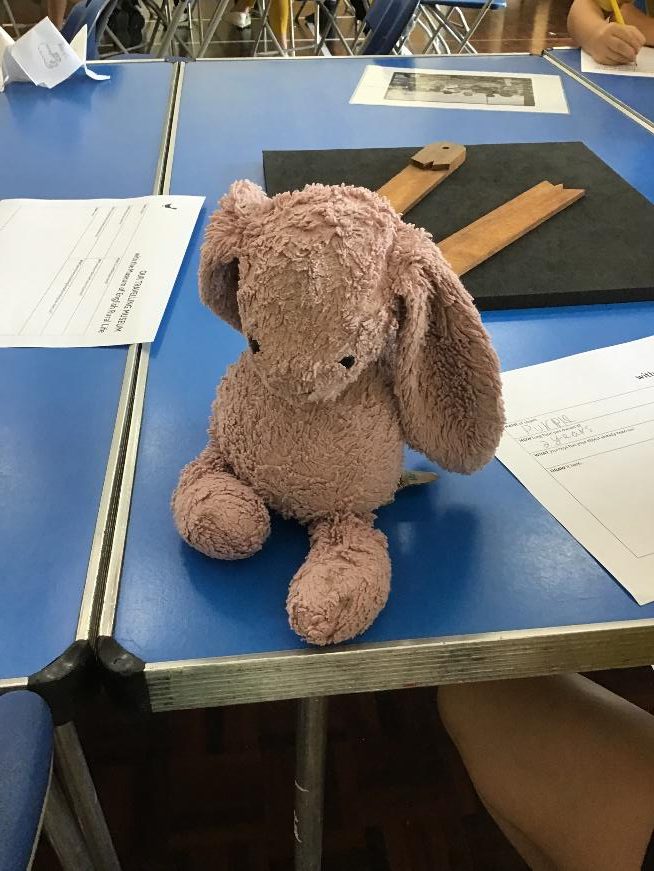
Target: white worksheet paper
[(457, 89), (580, 437), (80, 273), (644, 65)]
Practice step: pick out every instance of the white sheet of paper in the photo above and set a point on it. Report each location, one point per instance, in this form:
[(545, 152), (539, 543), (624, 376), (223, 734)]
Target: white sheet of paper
[(644, 65), (580, 437), (450, 89), (80, 273), (42, 56)]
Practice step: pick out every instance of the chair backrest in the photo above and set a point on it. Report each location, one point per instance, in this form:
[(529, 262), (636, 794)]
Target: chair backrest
[(26, 736), (375, 13), (386, 21), (93, 13)]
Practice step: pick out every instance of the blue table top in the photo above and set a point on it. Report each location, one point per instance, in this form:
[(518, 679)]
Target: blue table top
[(636, 92), (469, 554), (83, 139)]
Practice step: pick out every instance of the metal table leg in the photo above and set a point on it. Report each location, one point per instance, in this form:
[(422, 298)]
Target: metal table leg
[(12, 20), (216, 18), (169, 35), (311, 740), (291, 24), (70, 764), (61, 830), (473, 28), (265, 31), (332, 25)]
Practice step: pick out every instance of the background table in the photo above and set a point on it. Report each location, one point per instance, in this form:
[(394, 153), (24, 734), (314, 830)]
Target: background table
[(83, 139), (486, 583), (64, 412), (634, 93)]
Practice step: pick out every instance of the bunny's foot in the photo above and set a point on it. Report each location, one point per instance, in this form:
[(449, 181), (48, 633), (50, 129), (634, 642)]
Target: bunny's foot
[(216, 513), (344, 582)]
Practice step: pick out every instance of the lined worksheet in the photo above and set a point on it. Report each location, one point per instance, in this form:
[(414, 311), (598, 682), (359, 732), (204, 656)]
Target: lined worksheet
[(89, 272), (580, 437), (642, 66)]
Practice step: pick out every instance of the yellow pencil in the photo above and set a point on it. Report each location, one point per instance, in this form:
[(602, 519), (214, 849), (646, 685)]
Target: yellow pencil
[(616, 12)]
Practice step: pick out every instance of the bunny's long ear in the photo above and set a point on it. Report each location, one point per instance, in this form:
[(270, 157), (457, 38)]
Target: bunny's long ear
[(224, 244), (447, 378)]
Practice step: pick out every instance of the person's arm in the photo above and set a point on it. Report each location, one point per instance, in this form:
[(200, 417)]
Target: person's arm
[(636, 18), (565, 767), (56, 11), (606, 41)]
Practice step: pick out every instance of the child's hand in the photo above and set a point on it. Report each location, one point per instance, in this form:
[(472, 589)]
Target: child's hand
[(615, 44)]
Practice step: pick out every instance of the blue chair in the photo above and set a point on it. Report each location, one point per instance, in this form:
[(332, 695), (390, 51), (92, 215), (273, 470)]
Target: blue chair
[(448, 30), (95, 14), (29, 792), (386, 22)]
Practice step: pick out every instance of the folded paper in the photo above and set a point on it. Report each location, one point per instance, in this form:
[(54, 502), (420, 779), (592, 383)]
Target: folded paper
[(43, 57)]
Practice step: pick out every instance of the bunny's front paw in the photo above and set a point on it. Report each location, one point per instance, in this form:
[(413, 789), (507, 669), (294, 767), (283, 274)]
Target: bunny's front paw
[(343, 584), (219, 515)]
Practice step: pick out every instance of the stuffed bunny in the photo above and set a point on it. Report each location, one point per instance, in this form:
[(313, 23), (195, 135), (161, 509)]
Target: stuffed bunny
[(361, 338)]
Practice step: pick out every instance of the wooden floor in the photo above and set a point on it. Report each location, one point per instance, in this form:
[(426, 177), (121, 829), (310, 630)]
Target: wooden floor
[(213, 789), (525, 25)]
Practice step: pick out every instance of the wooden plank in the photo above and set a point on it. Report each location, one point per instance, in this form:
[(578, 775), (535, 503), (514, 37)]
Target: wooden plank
[(491, 233), (428, 168), (408, 187)]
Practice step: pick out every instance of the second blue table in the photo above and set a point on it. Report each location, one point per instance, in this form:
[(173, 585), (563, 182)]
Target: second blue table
[(63, 412), (486, 583), (633, 93)]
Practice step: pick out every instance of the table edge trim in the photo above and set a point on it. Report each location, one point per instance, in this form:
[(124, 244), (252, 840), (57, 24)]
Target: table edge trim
[(398, 664), (103, 579)]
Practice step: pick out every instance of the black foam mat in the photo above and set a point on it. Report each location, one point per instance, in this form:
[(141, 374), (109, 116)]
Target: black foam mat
[(598, 250)]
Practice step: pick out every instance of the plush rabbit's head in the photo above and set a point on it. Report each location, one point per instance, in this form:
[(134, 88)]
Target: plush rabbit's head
[(313, 297), (325, 281)]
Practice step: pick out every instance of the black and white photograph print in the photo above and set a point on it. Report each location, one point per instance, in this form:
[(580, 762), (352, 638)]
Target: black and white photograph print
[(418, 87)]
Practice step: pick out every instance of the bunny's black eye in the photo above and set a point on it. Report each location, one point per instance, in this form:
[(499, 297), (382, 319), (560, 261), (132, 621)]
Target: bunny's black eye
[(348, 361), (254, 346)]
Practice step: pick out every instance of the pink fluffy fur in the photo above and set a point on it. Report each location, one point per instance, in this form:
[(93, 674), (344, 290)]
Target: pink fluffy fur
[(361, 339)]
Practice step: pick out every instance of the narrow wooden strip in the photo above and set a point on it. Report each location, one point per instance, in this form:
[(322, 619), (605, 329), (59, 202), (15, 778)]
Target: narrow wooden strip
[(408, 187), (428, 168), (491, 233)]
